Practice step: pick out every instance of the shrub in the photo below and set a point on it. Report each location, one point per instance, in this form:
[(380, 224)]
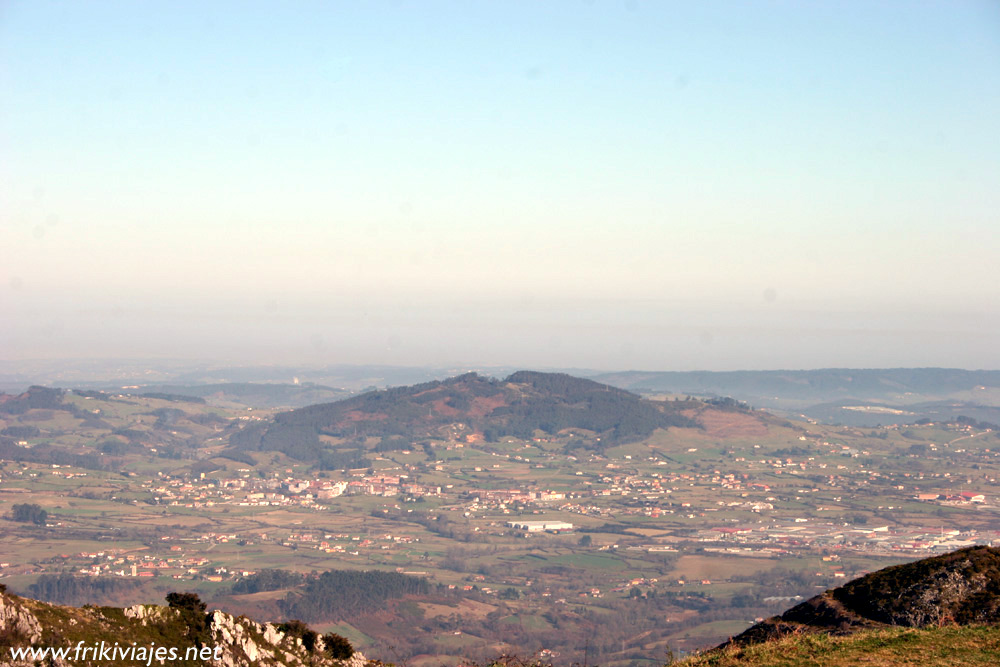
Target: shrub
[(337, 647)]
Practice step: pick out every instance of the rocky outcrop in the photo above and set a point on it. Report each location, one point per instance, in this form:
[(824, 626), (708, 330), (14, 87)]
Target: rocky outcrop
[(145, 613), (17, 622), (234, 641)]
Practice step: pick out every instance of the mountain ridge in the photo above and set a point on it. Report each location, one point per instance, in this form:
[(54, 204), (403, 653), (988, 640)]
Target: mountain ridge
[(822, 383)]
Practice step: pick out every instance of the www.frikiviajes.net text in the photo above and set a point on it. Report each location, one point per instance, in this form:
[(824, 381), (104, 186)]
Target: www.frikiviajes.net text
[(105, 652)]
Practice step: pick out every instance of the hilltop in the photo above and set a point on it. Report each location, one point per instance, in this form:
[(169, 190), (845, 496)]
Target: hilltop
[(474, 408)]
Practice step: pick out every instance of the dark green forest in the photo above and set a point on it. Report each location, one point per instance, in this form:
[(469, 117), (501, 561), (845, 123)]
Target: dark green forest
[(343, 594), (72, 590)]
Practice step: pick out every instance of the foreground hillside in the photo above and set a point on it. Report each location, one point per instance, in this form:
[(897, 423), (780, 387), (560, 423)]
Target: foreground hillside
[(956, 646), (960, 587), (936, 611), (131, 635)]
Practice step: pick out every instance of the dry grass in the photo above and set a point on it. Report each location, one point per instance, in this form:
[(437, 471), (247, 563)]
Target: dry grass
[(719, 567), (465, 608), (724, 424)]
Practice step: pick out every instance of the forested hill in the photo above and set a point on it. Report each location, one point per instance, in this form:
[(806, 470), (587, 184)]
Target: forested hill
[(469, 405)]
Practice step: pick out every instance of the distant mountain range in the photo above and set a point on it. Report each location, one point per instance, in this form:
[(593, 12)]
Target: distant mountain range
[(855, 397), (809, 386), (858, 397)]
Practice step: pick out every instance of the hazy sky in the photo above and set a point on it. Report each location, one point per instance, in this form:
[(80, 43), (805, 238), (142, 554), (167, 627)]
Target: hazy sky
[(668, 185)]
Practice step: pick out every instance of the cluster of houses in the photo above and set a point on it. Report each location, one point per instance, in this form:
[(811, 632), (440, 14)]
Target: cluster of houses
[(119, 564), (389, 485), (503, 497), (245, 491)]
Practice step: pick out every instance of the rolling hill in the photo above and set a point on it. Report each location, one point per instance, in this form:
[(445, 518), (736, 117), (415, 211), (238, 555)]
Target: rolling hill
[(251, 394)]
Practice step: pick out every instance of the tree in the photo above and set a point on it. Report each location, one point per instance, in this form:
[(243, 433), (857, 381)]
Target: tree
[(186, 601), (586, 541), (30, 513), (192, 614), (509, 593)]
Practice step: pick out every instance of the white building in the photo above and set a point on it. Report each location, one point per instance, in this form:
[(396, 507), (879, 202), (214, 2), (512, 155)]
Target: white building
[(539, 526)]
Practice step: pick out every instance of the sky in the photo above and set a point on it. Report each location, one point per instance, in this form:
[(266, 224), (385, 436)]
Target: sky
[(606, 185)]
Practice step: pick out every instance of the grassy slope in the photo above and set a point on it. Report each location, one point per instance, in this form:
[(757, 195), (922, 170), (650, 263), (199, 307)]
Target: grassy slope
[(955, 646)]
